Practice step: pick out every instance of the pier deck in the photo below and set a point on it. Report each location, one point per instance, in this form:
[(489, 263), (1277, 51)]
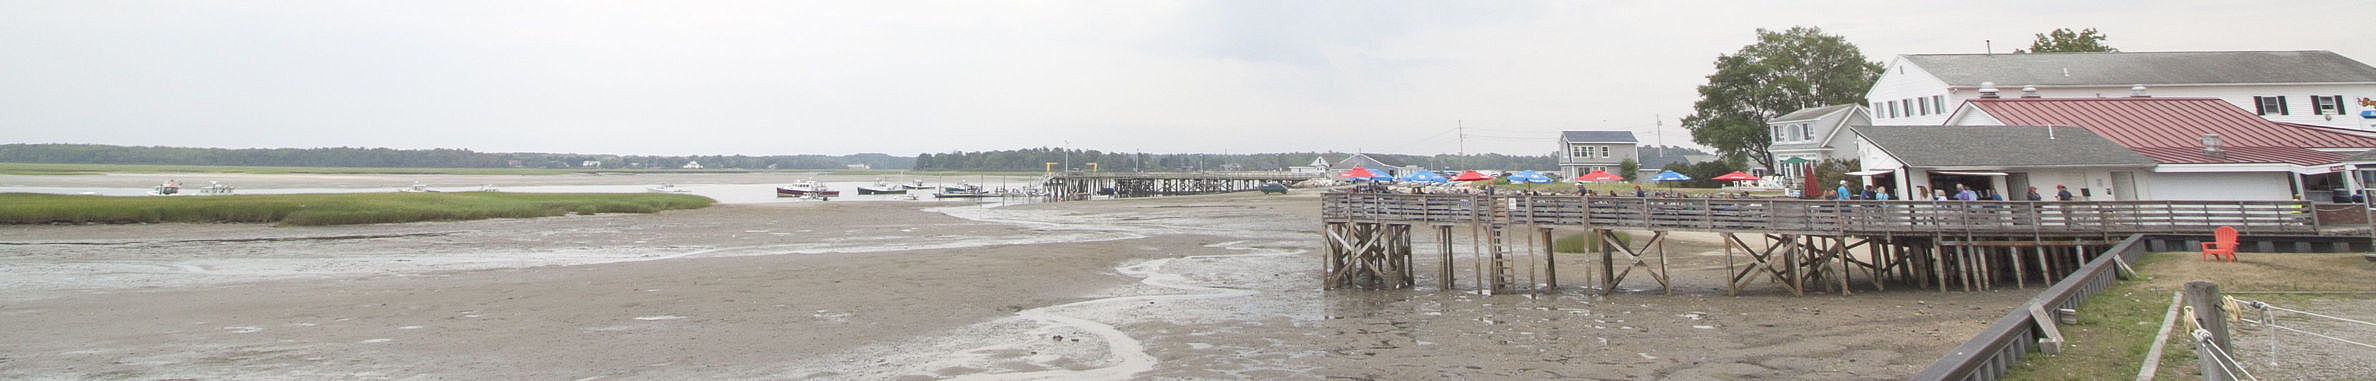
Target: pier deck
[(1796, 244)]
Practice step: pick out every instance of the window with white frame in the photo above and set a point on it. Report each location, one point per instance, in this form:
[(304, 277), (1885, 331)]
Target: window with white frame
[(1777, 133), (1939, 101), (1923, 104), (2326, 105), (1893, 111), (2270, 105), (1908, 104), (1604, 151), (1808, 130), (1579, 150)]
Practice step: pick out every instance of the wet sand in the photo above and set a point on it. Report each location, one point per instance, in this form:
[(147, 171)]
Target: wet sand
[(1222, 286)]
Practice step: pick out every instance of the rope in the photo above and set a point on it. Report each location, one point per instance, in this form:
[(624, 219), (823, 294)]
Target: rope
[(2268, 306), (2226, 361), (2324, 336)]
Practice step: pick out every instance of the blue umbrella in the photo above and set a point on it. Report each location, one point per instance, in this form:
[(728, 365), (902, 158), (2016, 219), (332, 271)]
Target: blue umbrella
[(1669, 176), (1530, 176), (1423, 177)]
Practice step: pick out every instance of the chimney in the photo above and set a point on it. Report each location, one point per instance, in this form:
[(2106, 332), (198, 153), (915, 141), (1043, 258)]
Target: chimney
[(1988, 90), (2211, 143), (2030, 91), (2138, 91)]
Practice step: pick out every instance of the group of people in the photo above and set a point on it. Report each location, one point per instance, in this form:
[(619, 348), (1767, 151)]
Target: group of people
[(1962, 193)]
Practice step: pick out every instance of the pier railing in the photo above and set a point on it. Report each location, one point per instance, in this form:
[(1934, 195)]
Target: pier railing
[(1828, 216)]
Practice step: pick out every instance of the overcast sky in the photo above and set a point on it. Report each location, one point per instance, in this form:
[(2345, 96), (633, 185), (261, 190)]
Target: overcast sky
[(903, 77)]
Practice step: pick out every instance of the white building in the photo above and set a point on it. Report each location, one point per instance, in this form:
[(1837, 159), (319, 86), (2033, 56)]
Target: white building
[(1319, 166), (2203, 148), (692, 164), (1812, 136), (2309, 87)]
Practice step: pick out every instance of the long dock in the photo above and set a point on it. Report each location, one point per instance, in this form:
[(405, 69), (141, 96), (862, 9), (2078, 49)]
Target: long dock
[(1082, 185), (1794, 244)]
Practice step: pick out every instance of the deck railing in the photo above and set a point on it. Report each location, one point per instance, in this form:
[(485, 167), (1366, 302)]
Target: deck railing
[(1828, 216)]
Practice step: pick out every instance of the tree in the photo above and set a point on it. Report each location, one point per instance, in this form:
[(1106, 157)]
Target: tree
[(2063, 40), (1629, 168), (1783, 72)]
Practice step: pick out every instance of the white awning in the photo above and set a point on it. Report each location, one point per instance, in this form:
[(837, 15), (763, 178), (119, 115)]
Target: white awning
[(1871, 172), (1970, 173)]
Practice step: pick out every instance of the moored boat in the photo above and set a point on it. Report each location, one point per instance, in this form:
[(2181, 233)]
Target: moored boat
[(916, 185), (169, 188), (668, 188), (806, 188), (881, 190)]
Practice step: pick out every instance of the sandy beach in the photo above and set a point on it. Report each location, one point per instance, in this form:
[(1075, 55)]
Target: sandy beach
[(1198, 287)]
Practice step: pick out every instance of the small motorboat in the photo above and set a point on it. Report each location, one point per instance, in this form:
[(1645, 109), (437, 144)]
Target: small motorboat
[(216, 188), (169, 188), (807, 188), (962, 188), (966, 194), (417, 187), (668, 188), (916, 185)]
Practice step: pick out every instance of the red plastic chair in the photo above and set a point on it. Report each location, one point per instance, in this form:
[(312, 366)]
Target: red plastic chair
[(2223, 244)]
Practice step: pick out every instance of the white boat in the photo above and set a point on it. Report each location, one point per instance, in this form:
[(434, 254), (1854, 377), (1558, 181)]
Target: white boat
[(668, 188), (169, 188), (216, 188), (807, 188), (417, 187)]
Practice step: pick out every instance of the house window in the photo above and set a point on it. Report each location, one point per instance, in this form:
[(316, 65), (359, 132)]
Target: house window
[(2326, 105), (2270, 105), (1940, 102), (1876, 110), (1908, 104), (1893, 111), (1604, 151), (1777, 133), (1807, 130), (1923, 104)]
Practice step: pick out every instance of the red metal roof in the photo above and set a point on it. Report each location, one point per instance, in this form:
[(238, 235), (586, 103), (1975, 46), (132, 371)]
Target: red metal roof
[(2170, 130)]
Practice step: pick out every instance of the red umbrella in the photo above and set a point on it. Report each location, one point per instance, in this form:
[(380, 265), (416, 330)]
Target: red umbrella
[(1597, 175), (1735, 176), (1358, 173), (1471, 176)]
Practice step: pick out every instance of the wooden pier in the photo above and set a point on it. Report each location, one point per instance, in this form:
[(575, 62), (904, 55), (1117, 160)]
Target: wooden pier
[(1797, 245), (1081, 185)]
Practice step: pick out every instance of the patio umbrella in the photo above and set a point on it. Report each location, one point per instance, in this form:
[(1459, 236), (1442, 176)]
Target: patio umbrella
[(1358, 174), (1735, 176), (1599, 176), (1471, 176), (1422, 177), (1669, 176), (1530, 176)]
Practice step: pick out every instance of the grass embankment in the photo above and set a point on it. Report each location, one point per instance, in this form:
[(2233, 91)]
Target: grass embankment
[(329, 209), (2116, 327)]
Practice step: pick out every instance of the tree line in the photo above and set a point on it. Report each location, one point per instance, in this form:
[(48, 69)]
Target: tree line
[(1037, 159), (418, 158)]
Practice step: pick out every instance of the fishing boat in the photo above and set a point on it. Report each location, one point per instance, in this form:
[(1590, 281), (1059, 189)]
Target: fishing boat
[(915, 185), (962, 188), (881, 187), (961, 194), (806, 188), (169, 188)]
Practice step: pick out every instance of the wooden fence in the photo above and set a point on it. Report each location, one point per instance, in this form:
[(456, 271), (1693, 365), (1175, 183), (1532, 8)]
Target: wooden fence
[(1827, 216)]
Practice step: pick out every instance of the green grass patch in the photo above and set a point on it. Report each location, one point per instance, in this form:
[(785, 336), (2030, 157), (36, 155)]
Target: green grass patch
[(328, 209), (1575, 243), (2115, 329)]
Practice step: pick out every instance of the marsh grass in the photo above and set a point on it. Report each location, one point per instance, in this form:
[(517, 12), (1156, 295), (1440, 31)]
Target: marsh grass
[(328, 209)]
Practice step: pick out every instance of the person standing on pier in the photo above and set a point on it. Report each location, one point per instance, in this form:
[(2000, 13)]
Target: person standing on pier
[(2062, 193), (1842, 191), (1964, 193), (2033, 195)]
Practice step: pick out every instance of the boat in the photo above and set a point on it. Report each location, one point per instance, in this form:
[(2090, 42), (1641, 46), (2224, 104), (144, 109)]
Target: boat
[(882, 187), (216, 188), (668, 188), (417, 187), (962, 194), (962, 188), (806, 188), (916, 185), (169, 188)]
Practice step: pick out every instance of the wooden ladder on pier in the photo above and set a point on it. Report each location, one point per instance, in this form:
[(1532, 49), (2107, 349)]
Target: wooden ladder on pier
[(1501, 272)]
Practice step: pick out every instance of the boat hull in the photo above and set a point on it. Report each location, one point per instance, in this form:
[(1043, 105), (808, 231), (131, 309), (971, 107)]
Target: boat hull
[(868, 190), (789, 192)]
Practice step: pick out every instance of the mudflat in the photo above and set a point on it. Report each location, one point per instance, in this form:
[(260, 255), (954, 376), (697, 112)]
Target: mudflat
[(1219, 286)]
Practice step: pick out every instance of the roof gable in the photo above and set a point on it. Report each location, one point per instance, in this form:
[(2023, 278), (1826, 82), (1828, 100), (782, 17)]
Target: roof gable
[(1597, 137), (2171, 129), (2147, 68), (1811, 113)]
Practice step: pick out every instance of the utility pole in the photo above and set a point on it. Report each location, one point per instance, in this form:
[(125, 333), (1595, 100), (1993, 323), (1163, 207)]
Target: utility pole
[(1658, 130), (1461, 129)]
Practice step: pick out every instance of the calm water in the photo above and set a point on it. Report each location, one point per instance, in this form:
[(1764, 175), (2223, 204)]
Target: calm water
[(724, 193)]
